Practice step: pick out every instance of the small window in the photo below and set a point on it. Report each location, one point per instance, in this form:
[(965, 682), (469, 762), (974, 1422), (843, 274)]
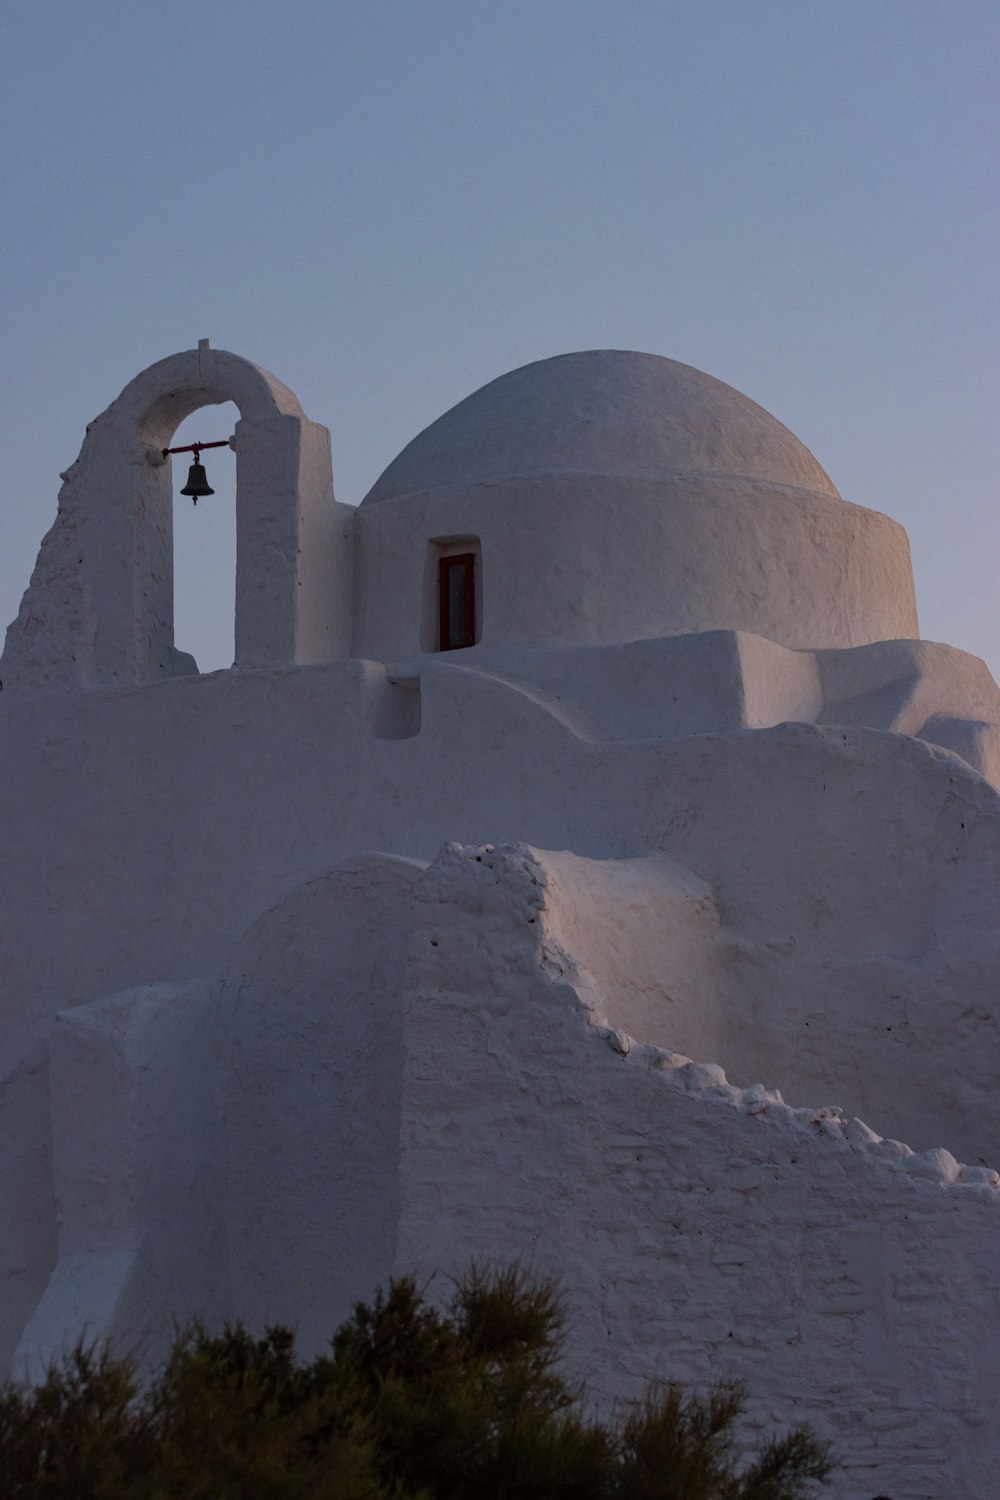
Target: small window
[(457, 601)]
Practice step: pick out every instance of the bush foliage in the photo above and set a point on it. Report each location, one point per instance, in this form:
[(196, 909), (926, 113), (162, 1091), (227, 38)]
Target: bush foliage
[(410, 1403)]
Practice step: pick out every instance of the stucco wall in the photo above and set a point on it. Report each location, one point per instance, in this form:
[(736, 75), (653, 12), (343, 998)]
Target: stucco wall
[(153, 828), (589, 558), (310, 1074), (854, 874), (229, 1148), (699, 1231), (407, 1067)]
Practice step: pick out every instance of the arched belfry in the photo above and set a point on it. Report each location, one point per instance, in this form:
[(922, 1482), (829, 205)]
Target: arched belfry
[(99, 609)]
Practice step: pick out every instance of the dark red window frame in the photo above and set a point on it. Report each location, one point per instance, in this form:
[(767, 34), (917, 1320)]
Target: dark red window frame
[(454, 634)]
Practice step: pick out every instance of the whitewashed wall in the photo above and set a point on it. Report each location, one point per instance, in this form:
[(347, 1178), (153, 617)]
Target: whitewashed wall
[(700, 1231), (246, 1067)]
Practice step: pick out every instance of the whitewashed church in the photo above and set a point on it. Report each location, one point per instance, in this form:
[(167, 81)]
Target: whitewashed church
[(584, 862)]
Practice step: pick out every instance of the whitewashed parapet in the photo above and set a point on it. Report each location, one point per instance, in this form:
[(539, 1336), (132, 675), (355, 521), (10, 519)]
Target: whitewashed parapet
[(525, 882), (709, 1081)]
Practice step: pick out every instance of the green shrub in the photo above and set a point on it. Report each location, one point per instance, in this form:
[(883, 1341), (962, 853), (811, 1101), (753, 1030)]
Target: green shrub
[(410, 1403)]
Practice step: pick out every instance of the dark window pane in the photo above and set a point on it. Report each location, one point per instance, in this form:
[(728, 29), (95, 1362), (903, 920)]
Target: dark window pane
[(457, 601), (457, 583)]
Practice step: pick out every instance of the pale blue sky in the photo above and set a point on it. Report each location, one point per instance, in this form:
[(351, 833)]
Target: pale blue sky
[(390, 202)]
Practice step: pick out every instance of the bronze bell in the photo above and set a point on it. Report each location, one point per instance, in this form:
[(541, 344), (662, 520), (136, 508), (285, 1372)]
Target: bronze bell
[(197, 481)]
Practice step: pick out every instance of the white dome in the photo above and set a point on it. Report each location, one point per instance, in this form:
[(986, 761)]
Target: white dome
[(605, 411), (612, 497)]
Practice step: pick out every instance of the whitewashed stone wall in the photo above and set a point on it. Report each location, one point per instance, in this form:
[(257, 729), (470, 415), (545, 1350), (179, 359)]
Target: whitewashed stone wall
[(406, 1068), (700, 1230)]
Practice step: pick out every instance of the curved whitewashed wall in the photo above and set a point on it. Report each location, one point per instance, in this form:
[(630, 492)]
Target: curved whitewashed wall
[(618, 496), (309, 1028), (591, 559)]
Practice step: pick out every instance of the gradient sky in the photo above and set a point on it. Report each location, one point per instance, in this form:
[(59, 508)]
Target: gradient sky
[(389, 202)]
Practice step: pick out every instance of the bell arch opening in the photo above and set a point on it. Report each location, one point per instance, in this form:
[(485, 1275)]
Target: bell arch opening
[(204, 543), (100, 609)]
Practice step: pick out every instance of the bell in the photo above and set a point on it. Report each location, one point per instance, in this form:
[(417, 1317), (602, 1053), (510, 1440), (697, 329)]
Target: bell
[(197, 481)]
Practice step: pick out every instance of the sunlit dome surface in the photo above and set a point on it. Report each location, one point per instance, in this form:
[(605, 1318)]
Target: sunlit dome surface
[(605, 411)]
